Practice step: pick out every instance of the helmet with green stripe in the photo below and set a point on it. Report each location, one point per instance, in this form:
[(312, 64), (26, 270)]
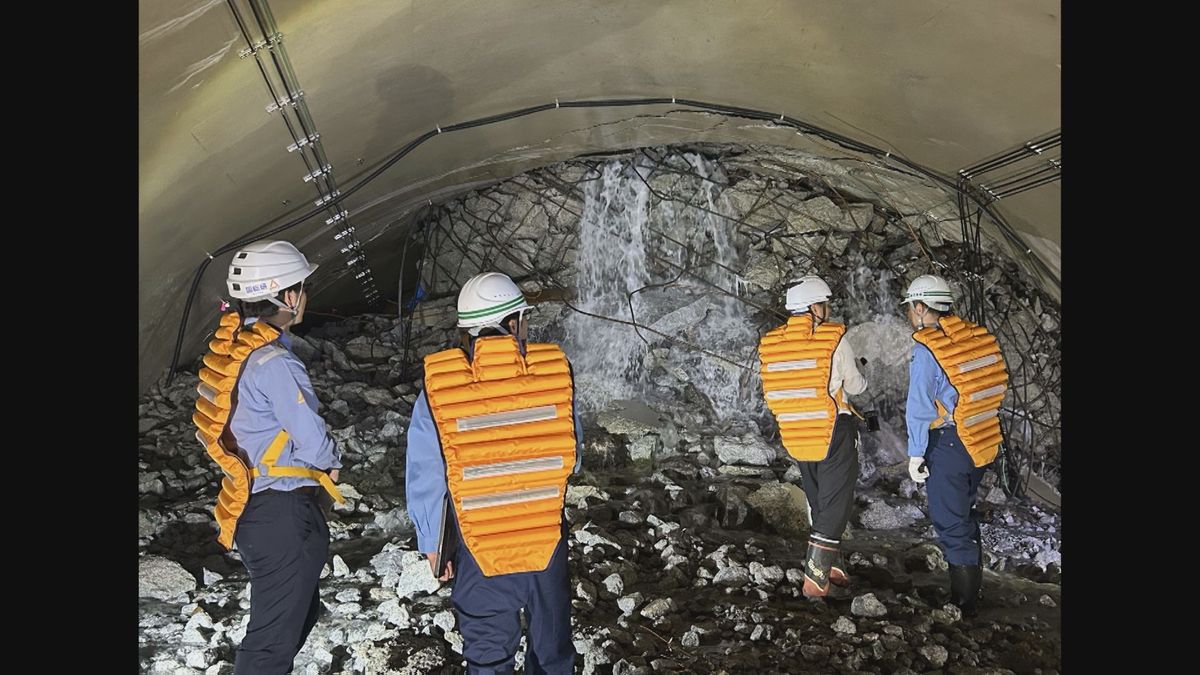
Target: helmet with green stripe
[(486, 299), (931, 290)]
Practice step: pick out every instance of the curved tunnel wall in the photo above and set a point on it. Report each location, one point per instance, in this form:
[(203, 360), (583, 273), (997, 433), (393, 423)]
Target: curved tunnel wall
[(943, 85)]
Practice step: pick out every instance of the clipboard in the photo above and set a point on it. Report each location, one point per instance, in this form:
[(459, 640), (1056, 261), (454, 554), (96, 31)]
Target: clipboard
[(447, 540)]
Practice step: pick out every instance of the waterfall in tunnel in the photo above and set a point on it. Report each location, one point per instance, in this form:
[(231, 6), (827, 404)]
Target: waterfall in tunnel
[(669, 268)]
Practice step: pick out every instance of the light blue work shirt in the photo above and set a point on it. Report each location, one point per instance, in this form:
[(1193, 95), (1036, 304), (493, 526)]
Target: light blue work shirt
[(927, 382), (274, 393)]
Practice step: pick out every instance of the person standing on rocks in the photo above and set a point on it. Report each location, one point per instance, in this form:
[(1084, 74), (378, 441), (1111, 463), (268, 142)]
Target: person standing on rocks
[(257, 418), (957, 381), (808, 369), (493, 438)]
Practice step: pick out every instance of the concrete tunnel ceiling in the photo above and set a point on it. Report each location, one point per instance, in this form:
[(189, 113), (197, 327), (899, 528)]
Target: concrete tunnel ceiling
[(942, 84)]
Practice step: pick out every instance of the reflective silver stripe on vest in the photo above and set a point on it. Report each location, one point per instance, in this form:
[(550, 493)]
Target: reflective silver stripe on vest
[(267, 353), (791, 393), (514, 497), (205, 390), (804, 364), (990, 391), (501, 419), (509, 468), (800, 416), (975, 419), (978, 363)]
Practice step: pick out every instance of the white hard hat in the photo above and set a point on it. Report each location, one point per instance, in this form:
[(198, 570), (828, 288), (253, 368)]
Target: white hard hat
[(931, 290), (486, 299), (264, 268), (807, 291)]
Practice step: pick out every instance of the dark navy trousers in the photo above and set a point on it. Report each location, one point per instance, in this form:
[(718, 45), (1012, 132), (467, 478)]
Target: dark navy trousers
[(283, 541), (489, 615), (952, 484)]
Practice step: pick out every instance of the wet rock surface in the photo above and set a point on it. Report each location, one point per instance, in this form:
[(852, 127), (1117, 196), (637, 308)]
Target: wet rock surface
[(673, 569)]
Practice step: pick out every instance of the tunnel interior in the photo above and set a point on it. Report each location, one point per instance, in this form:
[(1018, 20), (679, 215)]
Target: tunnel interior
[(654, 176)]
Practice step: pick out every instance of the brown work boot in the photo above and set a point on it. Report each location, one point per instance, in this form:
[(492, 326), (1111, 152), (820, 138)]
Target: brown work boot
[(837, 571)]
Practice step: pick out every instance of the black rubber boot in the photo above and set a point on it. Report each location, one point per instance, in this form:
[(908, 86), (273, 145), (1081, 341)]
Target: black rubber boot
[(822, 553), (965, 582)]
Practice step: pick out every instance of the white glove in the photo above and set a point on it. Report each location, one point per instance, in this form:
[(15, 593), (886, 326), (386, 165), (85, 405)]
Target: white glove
[(917, 469)]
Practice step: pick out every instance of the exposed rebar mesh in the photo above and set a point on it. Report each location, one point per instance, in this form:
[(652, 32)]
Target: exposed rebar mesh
[(707, 238)]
